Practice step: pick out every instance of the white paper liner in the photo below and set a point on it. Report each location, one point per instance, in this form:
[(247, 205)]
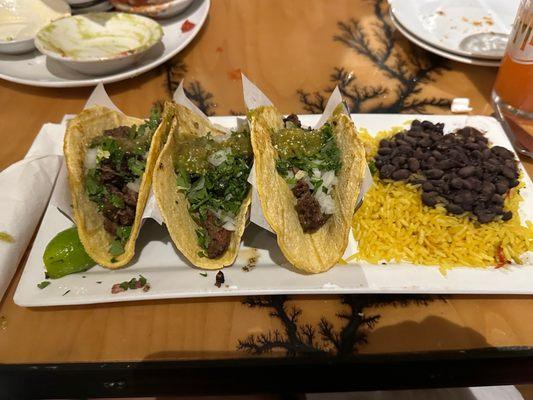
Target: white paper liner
[(253, 98)]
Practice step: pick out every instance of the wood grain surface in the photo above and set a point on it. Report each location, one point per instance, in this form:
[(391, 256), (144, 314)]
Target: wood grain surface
[(295, 51)]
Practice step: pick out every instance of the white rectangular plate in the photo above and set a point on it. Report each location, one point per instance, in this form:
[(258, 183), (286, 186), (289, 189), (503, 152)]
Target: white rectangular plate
[(171, 276)]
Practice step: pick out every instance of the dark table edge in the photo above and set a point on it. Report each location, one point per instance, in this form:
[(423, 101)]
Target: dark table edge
[(459, 368)]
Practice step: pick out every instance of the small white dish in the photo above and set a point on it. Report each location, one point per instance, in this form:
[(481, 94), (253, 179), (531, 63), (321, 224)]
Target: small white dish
[(20, 20), (36, 69), (447, 24), (101, 6), (164, 9), (442, 53), (82, 3), (99, 43)]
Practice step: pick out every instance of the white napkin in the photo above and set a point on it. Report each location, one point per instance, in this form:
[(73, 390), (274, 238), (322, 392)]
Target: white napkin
[(26, 187)]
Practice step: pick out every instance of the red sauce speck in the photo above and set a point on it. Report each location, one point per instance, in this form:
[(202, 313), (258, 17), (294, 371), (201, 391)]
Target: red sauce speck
[(235, 74), (219, 49), (187, 26), (500, 258), (117, 289)]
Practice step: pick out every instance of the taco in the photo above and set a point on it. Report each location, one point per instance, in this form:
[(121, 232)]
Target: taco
[(110, 158), (201, 188), (308, 182)]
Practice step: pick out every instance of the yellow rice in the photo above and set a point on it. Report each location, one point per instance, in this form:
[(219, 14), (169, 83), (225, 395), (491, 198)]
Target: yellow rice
[(393, 225)]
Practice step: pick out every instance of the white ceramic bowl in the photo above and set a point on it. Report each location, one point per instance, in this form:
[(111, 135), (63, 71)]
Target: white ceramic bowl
[(20, 20), (165, 9), (99, 43)]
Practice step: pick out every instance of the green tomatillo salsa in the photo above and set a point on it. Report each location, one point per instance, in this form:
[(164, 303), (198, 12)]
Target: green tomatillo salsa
[(114, 165), (213, 174), (309, 161)]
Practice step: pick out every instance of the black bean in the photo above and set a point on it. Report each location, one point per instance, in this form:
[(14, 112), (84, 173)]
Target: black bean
[(429, 198), (501, 187), (467, 185), (405, 150), (502, 152), (445, 164), (384, 151), (427, 186), (437, 154), (507, 215), (402, 142), (497, 199), (456, 183), (475, 183), (425, 142), (476, 154), (386, 171), (419, 154), (384, 143), (488, 188), (414, 164), (485, 217), (510, 163), (454, 208), (508, 172), (472, 146), (467, 171), (513, 183), (495, 209), (487, 153), (434, 173), (400, 174)]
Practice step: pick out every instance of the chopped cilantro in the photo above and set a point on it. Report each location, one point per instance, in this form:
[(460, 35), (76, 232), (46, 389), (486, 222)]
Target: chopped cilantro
[(43, 284), (326, 158), (123, 233), (183, 180), (142, 280), (204, 274), (67, 292), (372, 167), (116, 200), (136, 166), (201, 237), (116, 248)]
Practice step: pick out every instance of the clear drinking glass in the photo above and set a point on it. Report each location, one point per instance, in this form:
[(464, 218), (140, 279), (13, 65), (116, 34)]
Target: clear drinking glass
[(512, 94)]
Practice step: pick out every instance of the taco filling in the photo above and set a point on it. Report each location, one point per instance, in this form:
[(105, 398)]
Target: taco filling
[(114, 165), (212, 173), (309, 161)]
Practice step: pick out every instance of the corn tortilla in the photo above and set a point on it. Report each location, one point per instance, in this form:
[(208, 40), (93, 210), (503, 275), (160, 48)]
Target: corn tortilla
[(310, 252), (173, 203), (81, 130)]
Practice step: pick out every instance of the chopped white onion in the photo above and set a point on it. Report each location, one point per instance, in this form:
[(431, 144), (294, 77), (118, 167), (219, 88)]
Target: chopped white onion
[(300, 174), (90, 159), (218, 157), (327, 205), (329, 180), (316, 173), (229, 223), (135, 185)]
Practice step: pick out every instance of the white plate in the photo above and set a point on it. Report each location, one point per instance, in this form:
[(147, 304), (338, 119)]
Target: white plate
[(446, 23), (98, 7), (37, 70), (451, 56), (162, 10), (170, 276)]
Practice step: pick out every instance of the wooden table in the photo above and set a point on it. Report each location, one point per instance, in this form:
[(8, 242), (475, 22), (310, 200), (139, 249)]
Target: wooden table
[(296, 51)]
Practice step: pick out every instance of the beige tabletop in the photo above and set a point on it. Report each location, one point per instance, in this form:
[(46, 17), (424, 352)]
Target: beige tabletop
[(296, 51)]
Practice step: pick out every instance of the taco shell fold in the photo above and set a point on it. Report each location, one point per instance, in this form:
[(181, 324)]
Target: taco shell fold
[(81, 130), (173, 203), (310, 252)]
